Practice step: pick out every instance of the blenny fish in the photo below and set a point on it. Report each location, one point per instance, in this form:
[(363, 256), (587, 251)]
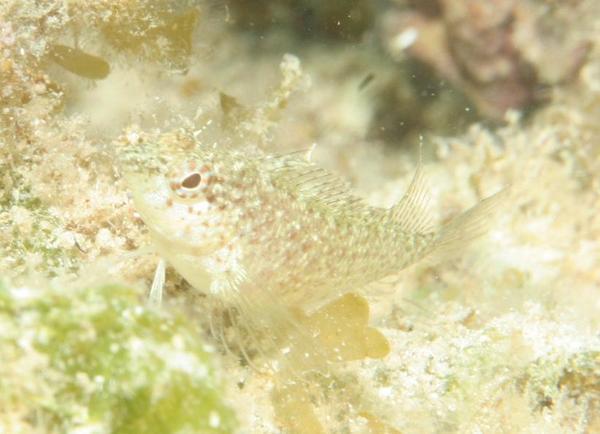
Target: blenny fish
[(276, 234)]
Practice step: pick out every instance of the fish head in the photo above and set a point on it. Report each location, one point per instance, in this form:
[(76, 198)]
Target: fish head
[(187, 198)]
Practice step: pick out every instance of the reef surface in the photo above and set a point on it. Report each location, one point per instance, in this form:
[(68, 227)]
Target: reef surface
[(502, 338)]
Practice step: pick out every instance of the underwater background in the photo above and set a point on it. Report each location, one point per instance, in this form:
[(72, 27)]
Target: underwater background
[(502, 336)]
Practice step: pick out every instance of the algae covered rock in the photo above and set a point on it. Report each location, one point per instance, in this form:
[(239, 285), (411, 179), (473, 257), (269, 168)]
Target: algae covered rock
[(95, 360)]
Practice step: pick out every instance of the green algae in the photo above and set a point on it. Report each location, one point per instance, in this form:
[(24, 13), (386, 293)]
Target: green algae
[(32, 231), (95, 360)]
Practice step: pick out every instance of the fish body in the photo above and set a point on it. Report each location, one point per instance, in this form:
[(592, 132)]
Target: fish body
[(259, 231)]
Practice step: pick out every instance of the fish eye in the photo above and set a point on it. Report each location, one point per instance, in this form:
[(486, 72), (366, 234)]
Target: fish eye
[(191, 181)]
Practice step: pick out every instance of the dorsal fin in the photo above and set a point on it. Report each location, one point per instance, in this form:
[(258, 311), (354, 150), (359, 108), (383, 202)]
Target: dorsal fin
[(315, 183), (413, 212)]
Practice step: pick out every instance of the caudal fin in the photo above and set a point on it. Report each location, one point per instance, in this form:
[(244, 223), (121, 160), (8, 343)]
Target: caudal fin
[(469, 225)]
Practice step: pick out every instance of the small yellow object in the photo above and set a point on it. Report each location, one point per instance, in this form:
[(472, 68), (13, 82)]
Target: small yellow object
[(294, 409), (342, 330)]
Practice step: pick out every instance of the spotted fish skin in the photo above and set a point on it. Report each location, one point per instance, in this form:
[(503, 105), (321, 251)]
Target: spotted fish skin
[(276, 229)]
